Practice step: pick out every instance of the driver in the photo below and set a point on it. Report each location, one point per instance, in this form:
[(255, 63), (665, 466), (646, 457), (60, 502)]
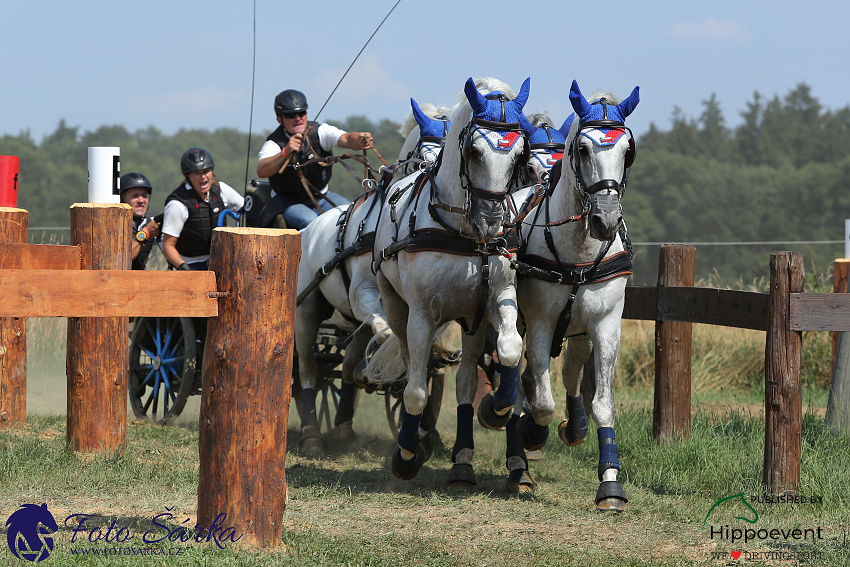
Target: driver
[(136, 192), (192, 211), (290, 140)]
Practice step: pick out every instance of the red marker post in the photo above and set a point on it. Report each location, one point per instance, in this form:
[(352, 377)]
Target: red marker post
[(9, 181)]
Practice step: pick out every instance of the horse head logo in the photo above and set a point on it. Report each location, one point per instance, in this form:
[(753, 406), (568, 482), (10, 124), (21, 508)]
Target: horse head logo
[(30, 532), (733, 497)]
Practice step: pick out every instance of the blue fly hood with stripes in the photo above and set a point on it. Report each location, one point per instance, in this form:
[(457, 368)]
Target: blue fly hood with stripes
[(489, 107), (587, 112), (427, 125), (538, 135)]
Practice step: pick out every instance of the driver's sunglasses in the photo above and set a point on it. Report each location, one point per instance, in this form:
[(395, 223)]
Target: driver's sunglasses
[(293, 115)]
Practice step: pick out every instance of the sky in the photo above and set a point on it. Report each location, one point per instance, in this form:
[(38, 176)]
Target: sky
[(176, 64)]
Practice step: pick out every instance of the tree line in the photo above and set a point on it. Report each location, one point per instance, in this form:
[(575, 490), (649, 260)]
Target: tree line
[(778, 176)]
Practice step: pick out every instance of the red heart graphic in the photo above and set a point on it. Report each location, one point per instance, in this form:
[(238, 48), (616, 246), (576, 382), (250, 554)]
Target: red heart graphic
[(736, 554)]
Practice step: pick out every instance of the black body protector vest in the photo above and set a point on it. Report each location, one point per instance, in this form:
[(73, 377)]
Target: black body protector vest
[(288, 183), (141, 260), (196, 235)]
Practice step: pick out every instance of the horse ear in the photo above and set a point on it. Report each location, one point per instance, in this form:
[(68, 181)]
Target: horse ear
[(580, 104), (522, 97), (475, 98), (526, 125), (565, 127), (627, 106), (420, 117)]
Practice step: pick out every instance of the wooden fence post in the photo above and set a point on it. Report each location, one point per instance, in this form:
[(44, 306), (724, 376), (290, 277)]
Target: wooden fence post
[(672, 414), (98, 360), (13, 334), (783, 398), (247, 383), (841, 269)]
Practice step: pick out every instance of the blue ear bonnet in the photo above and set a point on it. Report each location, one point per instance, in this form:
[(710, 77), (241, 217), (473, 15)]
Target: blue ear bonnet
[(489, 107), (587, 112), (538, 135), (427, 125)]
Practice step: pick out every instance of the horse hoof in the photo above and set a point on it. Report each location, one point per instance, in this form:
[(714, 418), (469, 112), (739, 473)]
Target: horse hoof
[(487, 416), (611, 497), (568, 439), (312, 442), (344, 432), (461, 477), (520, 481), (406, 470), (528, 443)]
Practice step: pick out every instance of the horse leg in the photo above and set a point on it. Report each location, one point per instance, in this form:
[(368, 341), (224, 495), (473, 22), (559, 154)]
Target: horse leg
[(366, 305), (533, 426), (496, 408), (519, 480), (573, 430), (606, 340), (409, 455), (462, 475), (354, 352), (309, 315)]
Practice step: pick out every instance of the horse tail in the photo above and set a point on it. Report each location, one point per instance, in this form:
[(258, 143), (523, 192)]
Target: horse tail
[(386, 365)]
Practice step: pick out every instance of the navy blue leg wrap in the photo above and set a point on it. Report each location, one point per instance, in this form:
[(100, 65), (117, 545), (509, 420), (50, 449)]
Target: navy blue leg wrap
[(408, 437), (536, 434), (465, 413), (607, 450), (345, 411), (577, 425), (506, 393), (513, 446), (308, 408)]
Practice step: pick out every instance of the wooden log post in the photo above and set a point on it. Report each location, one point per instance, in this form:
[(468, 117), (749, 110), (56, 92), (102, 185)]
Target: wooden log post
[(247, 383), (783, 398), (98, 359), (841, 269), (13, 334), (672, 412)]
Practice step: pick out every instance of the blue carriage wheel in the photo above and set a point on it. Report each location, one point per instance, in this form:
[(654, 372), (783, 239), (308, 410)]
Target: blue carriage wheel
[(163, 360)]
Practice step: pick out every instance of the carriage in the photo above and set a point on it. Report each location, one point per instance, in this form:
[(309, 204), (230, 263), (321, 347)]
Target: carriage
[(166, 353)]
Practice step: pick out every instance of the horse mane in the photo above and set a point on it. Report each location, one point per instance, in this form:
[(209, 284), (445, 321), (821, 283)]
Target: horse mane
[(538, 119), (484, 85), (409, 122)]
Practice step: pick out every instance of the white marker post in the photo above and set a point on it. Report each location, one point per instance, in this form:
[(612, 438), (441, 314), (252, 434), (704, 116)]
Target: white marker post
[(104, 174), (847, 238)]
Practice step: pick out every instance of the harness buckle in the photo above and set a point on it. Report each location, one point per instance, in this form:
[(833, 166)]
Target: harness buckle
[(368, 184), (325, 270)]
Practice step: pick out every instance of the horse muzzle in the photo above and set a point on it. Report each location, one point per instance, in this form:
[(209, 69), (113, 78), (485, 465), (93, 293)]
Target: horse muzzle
[(606, 214), (486, 219)]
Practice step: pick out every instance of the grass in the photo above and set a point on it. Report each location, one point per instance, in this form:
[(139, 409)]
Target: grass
[(348, 509)]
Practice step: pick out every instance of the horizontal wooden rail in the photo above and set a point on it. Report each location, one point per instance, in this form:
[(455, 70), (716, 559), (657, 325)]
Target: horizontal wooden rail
[(819, 312), (107, 293), (710, 306), (23, 256)]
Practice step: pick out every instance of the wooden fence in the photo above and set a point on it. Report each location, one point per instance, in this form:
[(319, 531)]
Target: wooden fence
[(249, 296), (250, 346), (783, 313)]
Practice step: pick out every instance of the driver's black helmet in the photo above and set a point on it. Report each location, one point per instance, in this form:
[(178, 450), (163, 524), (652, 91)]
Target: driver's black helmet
[(290, 100), (196, 159), (133, 180)]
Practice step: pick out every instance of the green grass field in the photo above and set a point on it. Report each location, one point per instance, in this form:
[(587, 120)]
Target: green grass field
[(348, 509)]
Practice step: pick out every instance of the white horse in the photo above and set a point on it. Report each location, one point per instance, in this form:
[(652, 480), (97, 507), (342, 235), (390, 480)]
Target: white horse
[(336, 258), (547, 145), (572, 283), (424, 131), (439, 259)]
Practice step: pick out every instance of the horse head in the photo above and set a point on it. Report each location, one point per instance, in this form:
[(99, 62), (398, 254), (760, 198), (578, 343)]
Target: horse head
[(493, 149), (432, 133), (600, 156), (546, 144)]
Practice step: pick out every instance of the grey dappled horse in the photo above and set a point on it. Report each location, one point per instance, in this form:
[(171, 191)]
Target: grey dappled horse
[(440, 258), (348, 291), (573, 269)]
